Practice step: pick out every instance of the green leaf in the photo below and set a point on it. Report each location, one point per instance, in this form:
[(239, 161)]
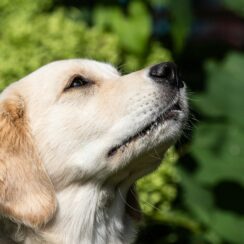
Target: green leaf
[(229, 226), (133, 30), (197, 198), (221, 224), (181, 22), (219, 150), (224, 96), (235, 5)]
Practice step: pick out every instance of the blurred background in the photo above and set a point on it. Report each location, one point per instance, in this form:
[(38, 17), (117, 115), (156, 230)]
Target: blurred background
[(197, 195)]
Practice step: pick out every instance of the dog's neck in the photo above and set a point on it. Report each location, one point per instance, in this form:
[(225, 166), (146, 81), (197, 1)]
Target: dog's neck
[(91, 214)]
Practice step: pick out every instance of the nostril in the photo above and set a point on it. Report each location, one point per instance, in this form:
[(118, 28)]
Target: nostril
[(163, 71), (166, 73)]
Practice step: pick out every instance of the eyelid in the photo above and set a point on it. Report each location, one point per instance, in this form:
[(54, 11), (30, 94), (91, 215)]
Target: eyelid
[(71, 79)]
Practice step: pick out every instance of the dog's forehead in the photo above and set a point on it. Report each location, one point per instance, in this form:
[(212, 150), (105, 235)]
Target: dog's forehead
[(99, 67), (73, 66)]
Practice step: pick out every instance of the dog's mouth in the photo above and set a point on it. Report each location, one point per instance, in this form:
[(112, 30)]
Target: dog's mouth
[(169, 114)]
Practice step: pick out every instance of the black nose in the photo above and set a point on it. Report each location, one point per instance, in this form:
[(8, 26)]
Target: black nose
[(166, 73)]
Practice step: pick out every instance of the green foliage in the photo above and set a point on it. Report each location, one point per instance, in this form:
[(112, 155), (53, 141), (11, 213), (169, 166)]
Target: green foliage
[(219, 150), (235, 5), (221, 141), (158, 191), (33, 34), (32, 37), (134, 40), (181, 22)]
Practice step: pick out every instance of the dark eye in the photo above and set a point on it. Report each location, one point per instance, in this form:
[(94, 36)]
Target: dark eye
[(78, 81)]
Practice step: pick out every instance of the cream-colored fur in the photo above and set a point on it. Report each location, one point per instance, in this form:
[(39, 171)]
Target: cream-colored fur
[(59, 181)]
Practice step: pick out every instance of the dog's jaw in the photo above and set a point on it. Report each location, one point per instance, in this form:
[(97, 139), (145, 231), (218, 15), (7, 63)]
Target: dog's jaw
[(173, 112)]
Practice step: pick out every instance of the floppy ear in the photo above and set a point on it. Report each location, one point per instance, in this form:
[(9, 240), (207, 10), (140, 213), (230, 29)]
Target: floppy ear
[(26, 193)]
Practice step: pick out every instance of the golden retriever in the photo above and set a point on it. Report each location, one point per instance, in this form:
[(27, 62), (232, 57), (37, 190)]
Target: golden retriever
[(75, 136)]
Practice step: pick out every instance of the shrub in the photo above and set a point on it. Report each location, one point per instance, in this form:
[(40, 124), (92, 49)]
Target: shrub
[(32, 37)]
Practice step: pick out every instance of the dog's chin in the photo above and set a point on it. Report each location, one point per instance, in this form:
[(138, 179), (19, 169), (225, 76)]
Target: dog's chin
[(138, 151), (160, 133)]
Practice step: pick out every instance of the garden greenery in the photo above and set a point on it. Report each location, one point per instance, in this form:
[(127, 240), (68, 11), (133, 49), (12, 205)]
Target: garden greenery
[(33, 33)]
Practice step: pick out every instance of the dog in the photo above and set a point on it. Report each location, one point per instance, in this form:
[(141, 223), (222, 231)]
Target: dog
[(75, 136)]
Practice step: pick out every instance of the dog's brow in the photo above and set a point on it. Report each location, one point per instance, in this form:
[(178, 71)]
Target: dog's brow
[(104, 68)]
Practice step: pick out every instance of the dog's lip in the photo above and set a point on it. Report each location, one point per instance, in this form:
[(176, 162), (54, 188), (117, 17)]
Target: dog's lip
[(169, 114)]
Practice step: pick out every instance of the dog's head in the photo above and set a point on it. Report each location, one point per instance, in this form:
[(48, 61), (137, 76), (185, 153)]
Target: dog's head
[(81, 120)]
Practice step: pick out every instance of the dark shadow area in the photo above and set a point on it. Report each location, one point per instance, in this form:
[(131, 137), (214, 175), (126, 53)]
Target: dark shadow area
[(188, 163), (229, 196), (167, 234)]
